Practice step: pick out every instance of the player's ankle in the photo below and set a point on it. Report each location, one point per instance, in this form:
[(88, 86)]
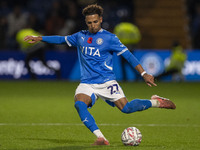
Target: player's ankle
[(99, 134), (155, 103)]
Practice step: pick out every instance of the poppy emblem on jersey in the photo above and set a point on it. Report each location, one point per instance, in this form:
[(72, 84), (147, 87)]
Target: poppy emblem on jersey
[(89, 40), (99, 41)]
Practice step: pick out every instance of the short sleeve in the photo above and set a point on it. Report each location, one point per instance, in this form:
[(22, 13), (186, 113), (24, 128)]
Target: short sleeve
[(117, 46), (71, 40)]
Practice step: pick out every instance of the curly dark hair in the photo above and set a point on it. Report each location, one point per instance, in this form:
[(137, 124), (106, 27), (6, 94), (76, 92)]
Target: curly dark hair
[(93, 9)]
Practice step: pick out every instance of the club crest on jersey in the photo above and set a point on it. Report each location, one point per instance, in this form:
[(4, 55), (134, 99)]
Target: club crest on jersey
[(99, 41)]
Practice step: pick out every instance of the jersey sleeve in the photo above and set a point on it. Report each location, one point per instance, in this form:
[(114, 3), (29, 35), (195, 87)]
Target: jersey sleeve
[(54, 39), (131, 58), (117, 46), (71, 40)]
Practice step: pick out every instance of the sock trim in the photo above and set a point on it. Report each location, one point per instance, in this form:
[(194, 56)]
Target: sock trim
[(155, 103)]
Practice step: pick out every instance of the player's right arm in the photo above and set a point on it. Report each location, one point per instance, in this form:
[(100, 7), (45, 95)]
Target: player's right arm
[(32, 39), (48, 39)]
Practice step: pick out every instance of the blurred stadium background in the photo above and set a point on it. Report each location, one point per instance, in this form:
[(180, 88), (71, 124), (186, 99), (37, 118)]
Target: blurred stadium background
[(161, 23), (39, 115)]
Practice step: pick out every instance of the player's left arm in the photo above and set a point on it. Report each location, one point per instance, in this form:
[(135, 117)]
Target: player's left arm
[(121, 49), (149, 79)]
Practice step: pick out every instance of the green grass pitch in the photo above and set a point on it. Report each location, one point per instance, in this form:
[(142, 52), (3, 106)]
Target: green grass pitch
[(40, 115)]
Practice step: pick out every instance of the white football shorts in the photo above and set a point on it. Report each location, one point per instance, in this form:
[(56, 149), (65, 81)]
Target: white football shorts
[(109, 91)]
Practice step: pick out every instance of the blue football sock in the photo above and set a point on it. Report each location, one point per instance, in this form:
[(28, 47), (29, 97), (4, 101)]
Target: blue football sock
[(85, 116), (136, 105)]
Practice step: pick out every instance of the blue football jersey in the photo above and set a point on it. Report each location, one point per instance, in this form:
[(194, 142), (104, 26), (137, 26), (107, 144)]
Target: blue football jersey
[(95, 53)]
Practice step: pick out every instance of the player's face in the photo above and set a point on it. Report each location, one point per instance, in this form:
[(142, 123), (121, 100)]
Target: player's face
[(93, 22)]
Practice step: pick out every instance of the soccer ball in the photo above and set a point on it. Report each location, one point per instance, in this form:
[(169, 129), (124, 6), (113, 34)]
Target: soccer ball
[(131, 136)]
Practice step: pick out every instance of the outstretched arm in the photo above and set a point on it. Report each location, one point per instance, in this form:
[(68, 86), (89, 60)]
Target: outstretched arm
[(32, 39), (48, 39), (149, 79)]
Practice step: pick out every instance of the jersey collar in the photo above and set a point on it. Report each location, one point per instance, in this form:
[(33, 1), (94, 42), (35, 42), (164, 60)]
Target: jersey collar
[(101, 30)]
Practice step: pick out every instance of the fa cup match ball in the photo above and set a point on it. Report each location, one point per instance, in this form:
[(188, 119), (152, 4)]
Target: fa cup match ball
[(131, 136)]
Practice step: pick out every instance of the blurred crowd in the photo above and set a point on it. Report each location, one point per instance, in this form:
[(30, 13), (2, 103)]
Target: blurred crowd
[(63, 17), (54, 17), (194, 21)]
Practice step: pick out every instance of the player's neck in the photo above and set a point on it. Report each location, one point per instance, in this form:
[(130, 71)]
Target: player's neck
[(100, 30)]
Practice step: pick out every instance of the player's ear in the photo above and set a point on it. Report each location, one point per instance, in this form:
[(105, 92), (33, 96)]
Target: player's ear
[(101, 19), (86, 21)]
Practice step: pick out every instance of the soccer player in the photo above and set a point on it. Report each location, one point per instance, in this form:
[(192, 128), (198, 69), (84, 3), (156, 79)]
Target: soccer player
[(95, 51)]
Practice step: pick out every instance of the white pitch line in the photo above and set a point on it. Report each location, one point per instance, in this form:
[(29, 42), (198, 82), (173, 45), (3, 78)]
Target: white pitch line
[(101, 124)]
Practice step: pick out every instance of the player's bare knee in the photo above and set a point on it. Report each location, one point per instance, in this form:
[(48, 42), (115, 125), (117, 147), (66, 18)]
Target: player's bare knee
[(84, 98), (121, 103)]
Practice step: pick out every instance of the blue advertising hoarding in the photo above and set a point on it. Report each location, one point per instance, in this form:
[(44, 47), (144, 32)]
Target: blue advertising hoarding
[(12, 65)]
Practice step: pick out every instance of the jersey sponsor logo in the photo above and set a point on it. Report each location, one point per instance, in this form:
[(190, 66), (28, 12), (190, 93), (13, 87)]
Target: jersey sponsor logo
[(89, 40), (99, 41), (92, 51)]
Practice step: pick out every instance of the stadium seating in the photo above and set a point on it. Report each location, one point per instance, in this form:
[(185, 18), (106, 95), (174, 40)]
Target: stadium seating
[(162, 22)]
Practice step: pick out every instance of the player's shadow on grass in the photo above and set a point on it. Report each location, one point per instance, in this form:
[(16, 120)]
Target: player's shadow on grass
[(53, 140), (74, 148), (67, 147)]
